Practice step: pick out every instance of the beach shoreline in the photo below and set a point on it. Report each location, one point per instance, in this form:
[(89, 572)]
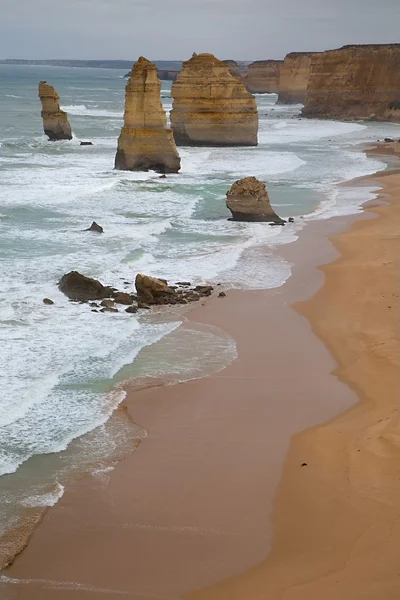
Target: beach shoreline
[(239, 314)]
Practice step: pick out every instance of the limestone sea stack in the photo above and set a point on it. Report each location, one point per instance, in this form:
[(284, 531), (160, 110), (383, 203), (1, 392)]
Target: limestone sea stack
[(233, 67), (262, 76), (294, 76), (355, 82), (55, 121), (248, 201), (211, 107), (145, 143)]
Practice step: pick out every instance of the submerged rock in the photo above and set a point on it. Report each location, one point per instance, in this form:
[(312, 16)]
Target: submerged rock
[(95, 227), (248, 200), (55, 121), (79, 287), (145, 142), (86, 144), (211, 107)]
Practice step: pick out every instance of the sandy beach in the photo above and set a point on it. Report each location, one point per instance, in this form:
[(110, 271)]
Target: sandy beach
[(237, 467)]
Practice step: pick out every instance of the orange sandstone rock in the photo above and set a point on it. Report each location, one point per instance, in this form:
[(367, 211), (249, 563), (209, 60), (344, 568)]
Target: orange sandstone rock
[(233, 67), (355, 82), (248, 200), (294, 76), (145, 143), (55, 120), (262, 76), (211, 107)]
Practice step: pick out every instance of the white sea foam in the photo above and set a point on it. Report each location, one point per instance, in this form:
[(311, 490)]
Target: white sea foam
[(62, 360), (91, 111)]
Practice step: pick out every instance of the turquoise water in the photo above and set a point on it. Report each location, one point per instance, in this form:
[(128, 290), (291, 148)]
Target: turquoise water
[(60, 364)]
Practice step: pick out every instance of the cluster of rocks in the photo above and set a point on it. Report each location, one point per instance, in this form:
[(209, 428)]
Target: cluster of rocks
[(150, 291)]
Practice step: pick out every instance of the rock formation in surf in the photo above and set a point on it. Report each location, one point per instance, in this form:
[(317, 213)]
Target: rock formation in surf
[(262, 76), (233, 67), (55, 120), (79, 287), (145, 142), (294, 76), (248, 200), (211, 107), (153, 291), (355, 82)]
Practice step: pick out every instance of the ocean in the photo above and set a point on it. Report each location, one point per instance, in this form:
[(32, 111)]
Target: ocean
[(62, 365)]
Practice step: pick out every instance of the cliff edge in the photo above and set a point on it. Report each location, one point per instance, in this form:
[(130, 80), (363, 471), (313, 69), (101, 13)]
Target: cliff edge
[(355, 82), (294, 77), (262, 76)]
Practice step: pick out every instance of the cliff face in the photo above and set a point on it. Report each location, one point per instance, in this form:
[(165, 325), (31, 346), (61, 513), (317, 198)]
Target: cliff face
[(262, 76), (210, 107), (356, 82), (55, 120), (294, 76), (145, 142), (233, 67)]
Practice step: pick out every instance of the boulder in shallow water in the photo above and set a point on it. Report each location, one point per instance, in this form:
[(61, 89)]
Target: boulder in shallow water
[(79, 287), (151, 290), (86, 144), (123, 298), (95, 227), (248, 200), (47, 301)]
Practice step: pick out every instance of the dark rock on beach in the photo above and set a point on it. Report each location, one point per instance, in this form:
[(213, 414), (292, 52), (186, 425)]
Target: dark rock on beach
[(47, 301)]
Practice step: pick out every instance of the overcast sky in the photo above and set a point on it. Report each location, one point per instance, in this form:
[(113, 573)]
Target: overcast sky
[(174, 29)]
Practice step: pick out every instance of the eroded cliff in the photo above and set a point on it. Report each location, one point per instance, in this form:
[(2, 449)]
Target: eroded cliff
[(145, 143), (294, 77), (211, 107), (355, 82), (262, 76), (55, 121)]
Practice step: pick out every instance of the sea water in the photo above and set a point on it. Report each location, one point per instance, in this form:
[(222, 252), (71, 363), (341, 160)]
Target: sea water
[(61, 364)]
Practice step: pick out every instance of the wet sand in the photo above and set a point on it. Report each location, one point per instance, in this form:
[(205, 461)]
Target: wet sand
[(191, 507)]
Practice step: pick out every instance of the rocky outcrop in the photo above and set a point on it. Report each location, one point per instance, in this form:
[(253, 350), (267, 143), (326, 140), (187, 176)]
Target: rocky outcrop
[(248, 201), (153, 291), (210, 107), (262, 76), (150, 291), (95, 227), (55, 121), (79, 287), (145, 143), (234, 68), (355, 82), (294, 76)]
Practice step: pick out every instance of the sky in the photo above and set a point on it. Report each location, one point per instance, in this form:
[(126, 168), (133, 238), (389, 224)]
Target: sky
[(174, 29)]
